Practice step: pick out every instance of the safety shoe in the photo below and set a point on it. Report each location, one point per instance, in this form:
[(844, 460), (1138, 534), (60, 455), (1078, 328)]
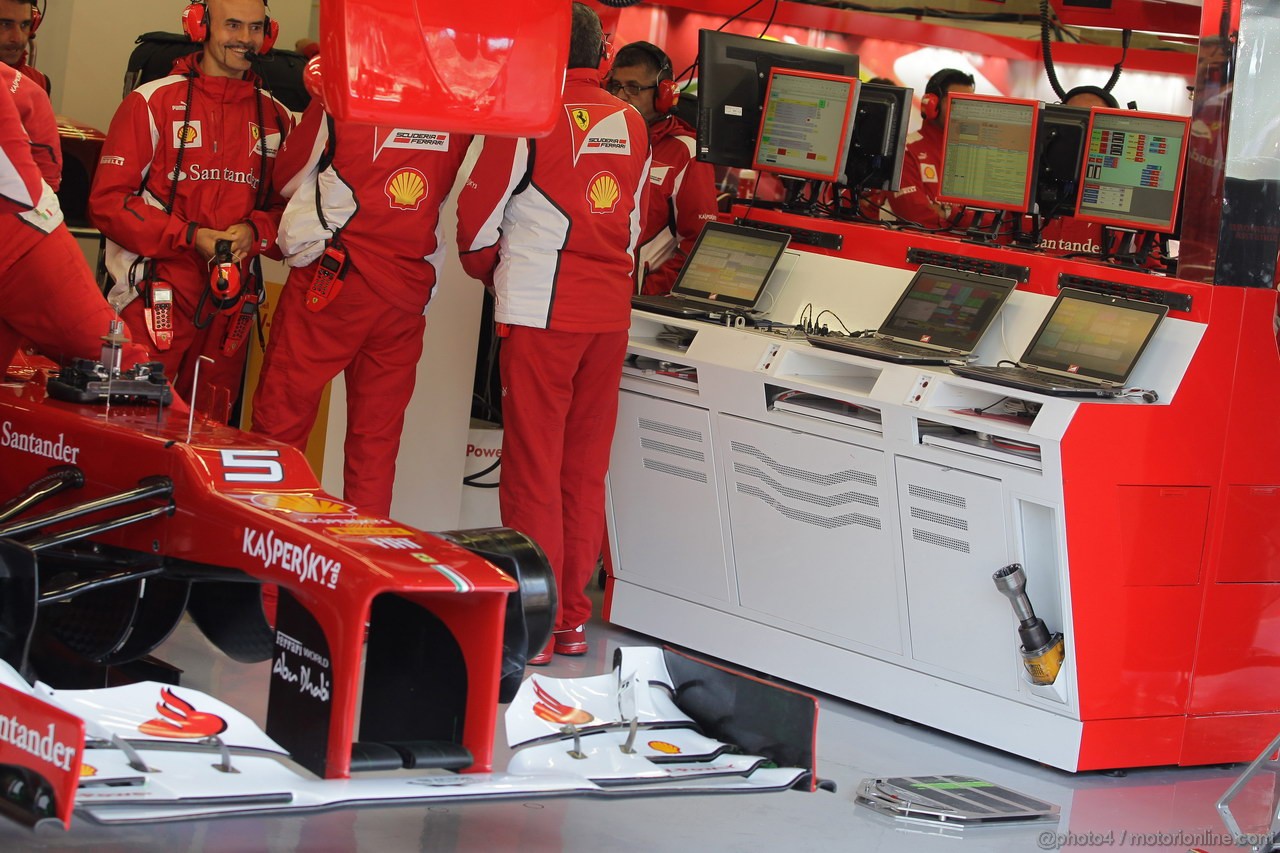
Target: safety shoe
[(570, 641), (542, 658)]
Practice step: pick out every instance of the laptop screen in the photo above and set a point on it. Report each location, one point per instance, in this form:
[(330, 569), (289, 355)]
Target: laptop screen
[(1092, 335), (947, 308), (730, 264)]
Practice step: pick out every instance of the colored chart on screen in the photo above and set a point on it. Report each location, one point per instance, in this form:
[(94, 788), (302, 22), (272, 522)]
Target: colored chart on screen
[(1132, 170)]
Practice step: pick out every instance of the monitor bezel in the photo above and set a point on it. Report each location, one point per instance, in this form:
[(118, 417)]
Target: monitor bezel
[(1032, 166), (892, 151), (1120, 221), (840, 161), (727, 130), (1064, 369), (779, 240), (1051, 117)]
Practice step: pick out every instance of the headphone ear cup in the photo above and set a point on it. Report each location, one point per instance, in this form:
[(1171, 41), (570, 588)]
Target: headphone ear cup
[(36, 17), (270, 32), (665, 96), (929, 107), (195, 22)]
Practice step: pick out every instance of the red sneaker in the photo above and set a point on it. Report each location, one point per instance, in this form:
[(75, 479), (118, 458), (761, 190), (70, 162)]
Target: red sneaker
[(570, 641), (542, 658)]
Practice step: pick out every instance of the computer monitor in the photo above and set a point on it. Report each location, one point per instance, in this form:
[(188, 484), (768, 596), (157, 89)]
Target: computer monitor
[(1060, 144), (733, 73), (879, 137), (1132, 172), (804, 131), (988, 152)]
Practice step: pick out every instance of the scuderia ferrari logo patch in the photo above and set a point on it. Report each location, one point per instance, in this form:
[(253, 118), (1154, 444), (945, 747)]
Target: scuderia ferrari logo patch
[(598, 129), (413, 140)]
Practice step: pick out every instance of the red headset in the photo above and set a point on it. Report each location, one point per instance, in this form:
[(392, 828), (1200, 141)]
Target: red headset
[(195, 23), (36, 17), (929, 106), (667, 92)]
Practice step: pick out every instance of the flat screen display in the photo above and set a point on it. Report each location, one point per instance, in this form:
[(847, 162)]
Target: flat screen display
[(988, 158), (733, 72), (1132, 172), (804, 131)]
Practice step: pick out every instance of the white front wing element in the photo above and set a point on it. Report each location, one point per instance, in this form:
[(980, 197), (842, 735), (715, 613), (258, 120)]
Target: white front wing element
[(241, 771)]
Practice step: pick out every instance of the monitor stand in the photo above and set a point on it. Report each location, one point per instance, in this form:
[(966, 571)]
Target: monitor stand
[(1127, 247), (984, 227), (1032, 237)]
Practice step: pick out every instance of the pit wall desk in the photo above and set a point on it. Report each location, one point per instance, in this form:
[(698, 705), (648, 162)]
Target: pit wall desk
[(852, 551)]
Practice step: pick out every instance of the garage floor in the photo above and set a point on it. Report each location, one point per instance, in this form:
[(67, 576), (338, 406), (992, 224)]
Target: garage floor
[(1149, 810)]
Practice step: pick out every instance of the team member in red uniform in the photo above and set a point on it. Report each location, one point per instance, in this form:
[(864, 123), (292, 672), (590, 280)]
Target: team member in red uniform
[(47, 294), (917, 200), (551, 225), (41, 125), (370, 198), (682, 191), (19, 20), (212, 126)]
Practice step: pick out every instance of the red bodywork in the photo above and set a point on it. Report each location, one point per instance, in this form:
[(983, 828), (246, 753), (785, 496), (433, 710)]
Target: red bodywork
[(446, 66), (243, 504)]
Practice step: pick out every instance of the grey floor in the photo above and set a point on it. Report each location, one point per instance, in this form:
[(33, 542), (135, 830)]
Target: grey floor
[(1164, 809)]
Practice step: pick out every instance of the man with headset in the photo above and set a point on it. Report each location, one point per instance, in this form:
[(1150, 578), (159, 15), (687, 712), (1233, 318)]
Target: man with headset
[(917, 200), (19, 20), (551, 226), (183, 194), (362, 234), (682, 191)]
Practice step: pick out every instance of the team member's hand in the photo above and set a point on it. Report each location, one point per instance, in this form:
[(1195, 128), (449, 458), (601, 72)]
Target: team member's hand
[(241, 237), (207, 240)]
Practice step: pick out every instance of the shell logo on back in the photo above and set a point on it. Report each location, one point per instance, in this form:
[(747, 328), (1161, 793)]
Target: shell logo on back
[(406, 189), (603, 193)]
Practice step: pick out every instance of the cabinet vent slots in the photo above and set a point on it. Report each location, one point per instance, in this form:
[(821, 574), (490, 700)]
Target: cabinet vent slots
[(936, 496), (802, 495), (675, 470), (939, 540), (672, 449), (807, 517), (836, 479), (939, 518), (670, 429)]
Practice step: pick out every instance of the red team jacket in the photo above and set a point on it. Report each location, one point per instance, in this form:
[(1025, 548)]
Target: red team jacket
[(921, 178), (219, 182), (379, 189), (682, 196), (559, 253), (36, 113), (24, 194)]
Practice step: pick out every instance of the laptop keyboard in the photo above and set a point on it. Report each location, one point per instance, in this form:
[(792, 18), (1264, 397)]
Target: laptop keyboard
[(1048, 380), (897, 346)]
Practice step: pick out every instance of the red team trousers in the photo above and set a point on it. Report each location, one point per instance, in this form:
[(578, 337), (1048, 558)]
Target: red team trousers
[(559, 407), (375, 345)]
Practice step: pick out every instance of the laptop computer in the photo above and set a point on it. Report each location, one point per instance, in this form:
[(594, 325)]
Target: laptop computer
[(727, 269), (939, 318), (1087, 346)]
